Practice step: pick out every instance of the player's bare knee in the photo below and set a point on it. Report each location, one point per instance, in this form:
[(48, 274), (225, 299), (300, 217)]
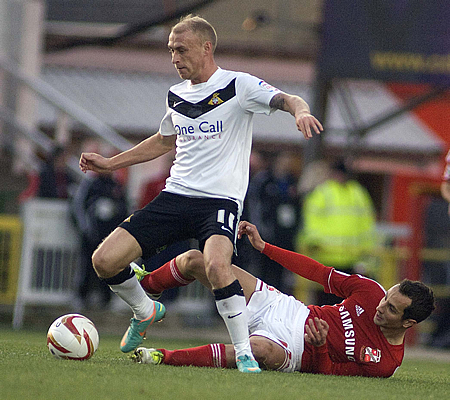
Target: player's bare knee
[(191, 262), (101, 263), (268, 354), (260, 349), (216, 267)]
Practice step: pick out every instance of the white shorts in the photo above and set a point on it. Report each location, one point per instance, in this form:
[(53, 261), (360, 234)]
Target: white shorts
[(280, 318)]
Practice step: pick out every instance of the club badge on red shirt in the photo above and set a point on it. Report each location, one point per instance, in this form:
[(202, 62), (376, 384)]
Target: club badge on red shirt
[(370, 355)]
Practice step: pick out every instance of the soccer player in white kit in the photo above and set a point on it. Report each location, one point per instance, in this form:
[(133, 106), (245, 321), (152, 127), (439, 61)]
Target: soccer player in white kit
[(209, 121)]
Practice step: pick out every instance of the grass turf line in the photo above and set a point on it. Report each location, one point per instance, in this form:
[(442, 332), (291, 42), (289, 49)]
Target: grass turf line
[(29, 371)]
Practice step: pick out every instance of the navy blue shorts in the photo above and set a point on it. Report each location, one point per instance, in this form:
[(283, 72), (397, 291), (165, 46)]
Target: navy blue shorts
[(171, 218)]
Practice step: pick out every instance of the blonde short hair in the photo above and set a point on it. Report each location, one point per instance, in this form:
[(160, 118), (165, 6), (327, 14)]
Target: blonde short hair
[(199, 26)]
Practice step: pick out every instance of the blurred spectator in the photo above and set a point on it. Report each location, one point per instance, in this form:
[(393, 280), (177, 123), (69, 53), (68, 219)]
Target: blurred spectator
[(339, 224), (437, 236), (260, 176), (99, 205), (445, 185), (272, 205), (157, 183), (286, 205), (313, 174), (436, 229), (247, 257), (55, 180)]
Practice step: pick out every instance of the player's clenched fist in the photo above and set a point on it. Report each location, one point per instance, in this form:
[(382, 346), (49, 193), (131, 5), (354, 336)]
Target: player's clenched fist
[(94, 162)]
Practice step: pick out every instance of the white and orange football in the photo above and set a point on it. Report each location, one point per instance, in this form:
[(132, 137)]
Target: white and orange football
[(72, 337)]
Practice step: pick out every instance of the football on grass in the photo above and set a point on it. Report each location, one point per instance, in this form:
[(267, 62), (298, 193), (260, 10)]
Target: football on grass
[(72, 337)]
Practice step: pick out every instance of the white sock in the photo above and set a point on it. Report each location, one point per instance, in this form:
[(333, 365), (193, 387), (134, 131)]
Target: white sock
[(233, 310), (132, 293)]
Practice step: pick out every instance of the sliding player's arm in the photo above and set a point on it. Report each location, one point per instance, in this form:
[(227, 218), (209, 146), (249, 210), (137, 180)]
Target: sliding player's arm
[(297, 263)]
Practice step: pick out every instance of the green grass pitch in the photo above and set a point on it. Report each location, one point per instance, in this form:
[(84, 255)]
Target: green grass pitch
[(28, 371)]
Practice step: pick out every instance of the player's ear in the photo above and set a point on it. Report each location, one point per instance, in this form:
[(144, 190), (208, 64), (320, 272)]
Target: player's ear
[(408, 323), (207, 46)]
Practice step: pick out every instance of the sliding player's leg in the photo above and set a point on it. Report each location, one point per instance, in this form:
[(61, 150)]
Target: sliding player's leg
[(269, 354)]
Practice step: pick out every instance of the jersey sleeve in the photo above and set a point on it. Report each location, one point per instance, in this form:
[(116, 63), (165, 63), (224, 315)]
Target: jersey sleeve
[(254, 94), (166, 127), (345, 285), (299, 264), (333, 281)]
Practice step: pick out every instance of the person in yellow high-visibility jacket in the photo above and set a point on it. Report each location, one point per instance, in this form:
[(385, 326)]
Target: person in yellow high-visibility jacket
[(339, 222)]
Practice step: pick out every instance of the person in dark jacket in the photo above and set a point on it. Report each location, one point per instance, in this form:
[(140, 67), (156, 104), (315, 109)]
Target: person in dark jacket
[(98, 206)]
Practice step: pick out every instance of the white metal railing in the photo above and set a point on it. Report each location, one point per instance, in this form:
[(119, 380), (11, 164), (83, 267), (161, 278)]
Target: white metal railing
[(49, 260), (49, 266)]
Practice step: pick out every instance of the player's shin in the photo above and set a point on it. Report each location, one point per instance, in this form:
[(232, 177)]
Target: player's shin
[(211, 355), (127, 287), (167, 276), (230, 302)]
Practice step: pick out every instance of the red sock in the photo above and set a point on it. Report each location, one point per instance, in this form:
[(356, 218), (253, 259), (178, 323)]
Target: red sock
[(166, 277), (210, 355)]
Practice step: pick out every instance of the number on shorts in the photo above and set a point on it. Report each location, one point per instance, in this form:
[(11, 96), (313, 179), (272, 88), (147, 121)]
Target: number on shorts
[(227, 223)]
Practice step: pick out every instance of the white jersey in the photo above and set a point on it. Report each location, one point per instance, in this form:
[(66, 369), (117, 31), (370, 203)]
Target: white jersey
[(213, 124)]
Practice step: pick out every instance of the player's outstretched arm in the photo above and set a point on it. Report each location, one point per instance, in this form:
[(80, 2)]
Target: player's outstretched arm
[(297, 263), (147, 150), (299, 109)]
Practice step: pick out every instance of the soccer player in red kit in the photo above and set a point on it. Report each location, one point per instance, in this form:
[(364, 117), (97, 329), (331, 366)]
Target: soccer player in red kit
[(363, 335)]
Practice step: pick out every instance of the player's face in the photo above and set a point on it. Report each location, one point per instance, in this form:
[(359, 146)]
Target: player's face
[(390, 309), (188, 55)]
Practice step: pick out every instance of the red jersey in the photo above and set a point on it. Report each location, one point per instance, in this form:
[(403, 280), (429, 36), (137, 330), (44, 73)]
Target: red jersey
[(355, 344)]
